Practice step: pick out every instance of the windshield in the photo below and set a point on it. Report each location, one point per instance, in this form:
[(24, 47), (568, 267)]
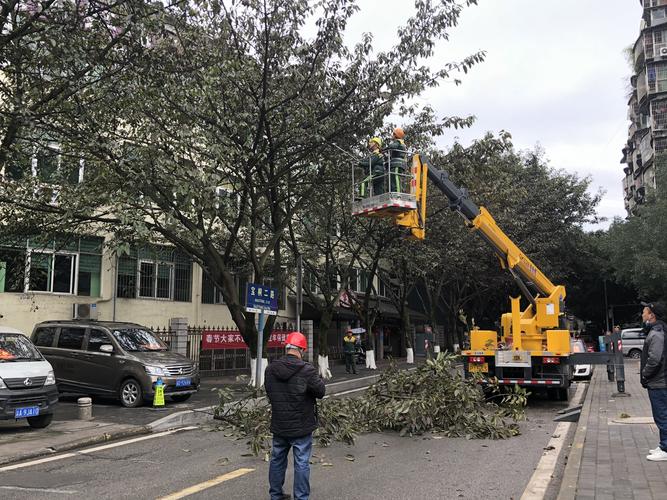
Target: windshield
[(14, 346), (138, 339)]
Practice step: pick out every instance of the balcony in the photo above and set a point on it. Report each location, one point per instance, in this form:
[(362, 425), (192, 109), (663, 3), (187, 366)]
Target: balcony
[(639, 50), (646, 149), (642, 87)]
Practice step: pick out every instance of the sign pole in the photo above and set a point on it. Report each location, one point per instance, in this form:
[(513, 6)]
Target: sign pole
[(260, 343)]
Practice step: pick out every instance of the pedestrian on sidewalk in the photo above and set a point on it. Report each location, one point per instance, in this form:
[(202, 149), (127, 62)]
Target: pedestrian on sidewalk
[(293, 387), (349, 346), (653, 371)]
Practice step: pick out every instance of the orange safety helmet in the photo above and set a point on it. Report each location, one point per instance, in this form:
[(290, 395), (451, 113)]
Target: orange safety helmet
[(297, 339), (399, 133)]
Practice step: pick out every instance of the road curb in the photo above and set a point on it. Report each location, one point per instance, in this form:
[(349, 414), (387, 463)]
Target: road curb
[(79, 443), (204, 415), (568, 486), (542, 478)]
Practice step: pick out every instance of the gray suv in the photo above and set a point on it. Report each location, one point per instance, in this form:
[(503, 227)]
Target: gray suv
[(633, 342), (122, 360)]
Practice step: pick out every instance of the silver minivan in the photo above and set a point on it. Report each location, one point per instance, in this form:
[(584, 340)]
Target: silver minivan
[(633, 342)]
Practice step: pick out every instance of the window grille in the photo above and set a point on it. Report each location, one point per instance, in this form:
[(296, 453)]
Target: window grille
[(155, 272), (659, 114), (210, 294)]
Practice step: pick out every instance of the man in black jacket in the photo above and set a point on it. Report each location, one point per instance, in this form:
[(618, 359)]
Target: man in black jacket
[(653, 370), (292, 386)]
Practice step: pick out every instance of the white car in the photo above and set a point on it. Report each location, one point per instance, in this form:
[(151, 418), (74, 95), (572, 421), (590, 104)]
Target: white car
[(27, 383), (581, 371)]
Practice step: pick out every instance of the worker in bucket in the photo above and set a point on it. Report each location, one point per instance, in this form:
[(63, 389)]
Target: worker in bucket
[(374, 168), (397, 153)]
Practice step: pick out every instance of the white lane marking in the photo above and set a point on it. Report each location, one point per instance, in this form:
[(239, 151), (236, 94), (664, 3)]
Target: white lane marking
[(196, 488), (539, 481), (38, 490), (92, 450)]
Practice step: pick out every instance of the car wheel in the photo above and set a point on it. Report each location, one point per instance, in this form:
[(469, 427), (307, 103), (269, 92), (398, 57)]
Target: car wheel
[(180, 398), (635, 354), (131, 394), (40, 421)]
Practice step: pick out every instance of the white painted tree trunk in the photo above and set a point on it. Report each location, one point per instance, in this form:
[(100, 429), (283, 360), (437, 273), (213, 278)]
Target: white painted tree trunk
[(410, 355), (323, 367), (370, 360), (253, 371)]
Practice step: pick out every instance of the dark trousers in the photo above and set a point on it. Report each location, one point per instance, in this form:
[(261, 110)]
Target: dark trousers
[(349, 363), (301, 448), (658, 398)]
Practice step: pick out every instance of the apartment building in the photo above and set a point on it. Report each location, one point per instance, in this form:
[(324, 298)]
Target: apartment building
[(647, 105)]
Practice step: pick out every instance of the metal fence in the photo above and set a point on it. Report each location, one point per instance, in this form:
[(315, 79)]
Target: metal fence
[(215, 362)]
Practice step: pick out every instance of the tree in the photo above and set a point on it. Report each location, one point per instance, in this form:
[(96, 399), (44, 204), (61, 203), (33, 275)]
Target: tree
[(235, 97), (53, 57), (636, 246)]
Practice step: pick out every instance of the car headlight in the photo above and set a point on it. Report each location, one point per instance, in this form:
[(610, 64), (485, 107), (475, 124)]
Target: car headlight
[(50, 378), (2, 384), (157, 371)]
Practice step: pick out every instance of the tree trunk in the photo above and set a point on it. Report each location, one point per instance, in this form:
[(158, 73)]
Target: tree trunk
[(323, 344)]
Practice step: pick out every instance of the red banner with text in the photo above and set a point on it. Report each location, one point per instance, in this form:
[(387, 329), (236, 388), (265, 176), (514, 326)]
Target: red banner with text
[(230, 339)]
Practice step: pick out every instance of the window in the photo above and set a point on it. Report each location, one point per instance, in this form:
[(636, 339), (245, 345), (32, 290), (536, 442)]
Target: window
[(211, 294), (97, 338), (659, 114), (365, 279), (354, 285), (70, 266), (657, 78), (44, 336), (12, 270), (71, 338), (310, 282), (155, 272), (382, 288)]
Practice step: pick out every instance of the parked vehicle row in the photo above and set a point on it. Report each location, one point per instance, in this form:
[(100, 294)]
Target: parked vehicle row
[(113, 359)]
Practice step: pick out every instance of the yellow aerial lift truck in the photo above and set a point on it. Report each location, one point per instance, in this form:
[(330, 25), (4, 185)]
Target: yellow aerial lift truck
[(533, 348)]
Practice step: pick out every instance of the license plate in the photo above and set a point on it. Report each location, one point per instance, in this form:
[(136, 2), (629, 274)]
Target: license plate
[(183, 382), (478, 367), (30, 411)]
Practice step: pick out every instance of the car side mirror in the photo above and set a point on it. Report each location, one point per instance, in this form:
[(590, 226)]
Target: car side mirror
[(108, 348)]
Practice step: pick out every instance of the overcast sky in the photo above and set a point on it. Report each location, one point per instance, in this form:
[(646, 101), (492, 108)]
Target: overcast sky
[(555, 75)]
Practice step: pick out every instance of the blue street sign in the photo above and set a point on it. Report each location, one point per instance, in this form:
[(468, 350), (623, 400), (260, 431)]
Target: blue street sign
[(261, 298)]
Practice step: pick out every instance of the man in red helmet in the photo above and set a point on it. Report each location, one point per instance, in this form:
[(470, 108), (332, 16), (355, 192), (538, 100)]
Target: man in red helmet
[(292, 386)]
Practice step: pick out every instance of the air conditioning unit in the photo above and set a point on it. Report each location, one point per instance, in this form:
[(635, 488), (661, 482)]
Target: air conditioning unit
[(662, 51), (84, 311)]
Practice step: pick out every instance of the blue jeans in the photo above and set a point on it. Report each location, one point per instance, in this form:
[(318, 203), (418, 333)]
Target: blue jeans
[(302, 447), (658, 398)]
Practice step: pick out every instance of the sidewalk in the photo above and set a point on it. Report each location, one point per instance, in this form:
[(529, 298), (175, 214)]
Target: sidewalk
[(614, 434), (111, 421)]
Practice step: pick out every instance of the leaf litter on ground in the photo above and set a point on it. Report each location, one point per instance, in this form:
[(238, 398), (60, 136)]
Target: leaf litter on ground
[(433, 398)]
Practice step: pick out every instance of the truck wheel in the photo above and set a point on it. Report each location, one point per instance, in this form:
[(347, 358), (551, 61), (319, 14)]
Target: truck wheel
[(131, 394), (40, 421), (635, 354), (563, 394)]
